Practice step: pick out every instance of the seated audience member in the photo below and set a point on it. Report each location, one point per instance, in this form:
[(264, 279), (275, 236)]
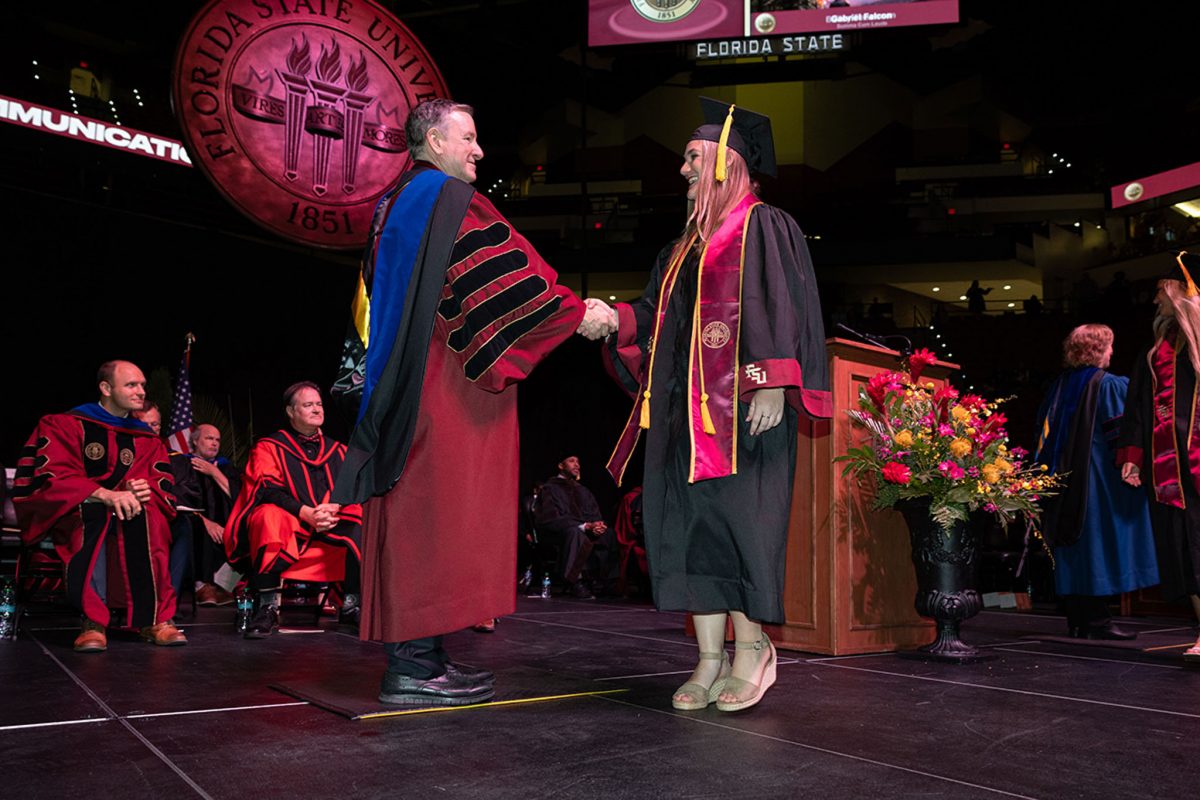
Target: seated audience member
[(569, 516), (94, 473), (283, 525), (205, 485), (152, 416)]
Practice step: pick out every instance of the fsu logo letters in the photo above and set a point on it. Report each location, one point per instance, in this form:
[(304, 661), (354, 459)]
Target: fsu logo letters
[(295, 109)]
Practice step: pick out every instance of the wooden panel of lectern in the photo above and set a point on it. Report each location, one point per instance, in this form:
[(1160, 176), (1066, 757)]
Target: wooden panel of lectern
[(850, 580)]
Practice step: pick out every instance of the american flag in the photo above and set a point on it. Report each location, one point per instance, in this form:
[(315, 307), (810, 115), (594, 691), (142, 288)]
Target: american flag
[(179, 428)]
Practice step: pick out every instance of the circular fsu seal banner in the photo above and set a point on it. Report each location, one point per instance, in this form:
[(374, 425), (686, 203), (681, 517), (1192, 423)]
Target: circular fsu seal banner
[(295, 109)]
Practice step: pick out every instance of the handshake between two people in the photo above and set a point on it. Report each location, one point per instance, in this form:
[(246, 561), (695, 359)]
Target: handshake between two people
[(599, 320)]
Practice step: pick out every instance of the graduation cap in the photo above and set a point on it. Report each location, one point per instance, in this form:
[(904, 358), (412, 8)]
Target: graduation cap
[(1184, 275), (747, 132)]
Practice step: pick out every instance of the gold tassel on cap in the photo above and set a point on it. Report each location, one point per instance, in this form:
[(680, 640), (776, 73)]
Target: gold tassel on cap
[(722, 145), (1192, 291), (360, 311)]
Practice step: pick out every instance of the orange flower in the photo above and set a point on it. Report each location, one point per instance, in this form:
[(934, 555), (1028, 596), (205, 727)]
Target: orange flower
[(903, 439), (991, 473), (960, 447)]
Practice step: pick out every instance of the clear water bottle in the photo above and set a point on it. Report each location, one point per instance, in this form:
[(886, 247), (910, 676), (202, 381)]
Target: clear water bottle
[(546, 585), (245, 609), (8, 611)]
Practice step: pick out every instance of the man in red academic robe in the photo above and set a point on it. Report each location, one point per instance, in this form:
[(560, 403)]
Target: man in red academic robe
[(461, 308), (96, 472), (283, 520)]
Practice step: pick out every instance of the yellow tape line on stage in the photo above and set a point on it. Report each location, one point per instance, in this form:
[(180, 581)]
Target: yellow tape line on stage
[(1167, 647), (431, 709)]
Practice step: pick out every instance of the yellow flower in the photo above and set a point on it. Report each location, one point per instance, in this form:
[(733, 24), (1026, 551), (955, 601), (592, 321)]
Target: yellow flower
[(991, 473), (929, 385), (960, 414), (960, 447), (904, 438), (970, 431), (1044, 468), (1004, 466)]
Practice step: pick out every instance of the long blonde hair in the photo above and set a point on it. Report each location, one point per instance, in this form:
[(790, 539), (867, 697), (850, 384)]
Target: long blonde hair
[(715, 200), (1187, 317)]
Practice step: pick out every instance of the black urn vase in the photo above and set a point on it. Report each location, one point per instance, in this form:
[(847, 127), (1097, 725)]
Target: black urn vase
[(947, 563)]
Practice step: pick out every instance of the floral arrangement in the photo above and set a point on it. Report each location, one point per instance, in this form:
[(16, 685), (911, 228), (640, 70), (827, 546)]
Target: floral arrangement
[(927, 442)]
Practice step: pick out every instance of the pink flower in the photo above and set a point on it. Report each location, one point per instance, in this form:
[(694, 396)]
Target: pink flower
[(989, 507), (918, 361), (951, 470), (895, 472), (945, 430), (973, 402), (880, 386)]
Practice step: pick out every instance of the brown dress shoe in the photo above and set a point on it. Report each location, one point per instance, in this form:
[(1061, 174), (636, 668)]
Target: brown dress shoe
[(206, 595), (164, 634), (92, 639), (220, 596)]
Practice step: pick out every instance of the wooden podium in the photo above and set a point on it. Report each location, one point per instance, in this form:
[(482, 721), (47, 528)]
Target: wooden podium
[(850, 581)]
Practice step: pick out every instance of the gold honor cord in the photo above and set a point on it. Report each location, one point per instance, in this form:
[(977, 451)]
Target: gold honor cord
[(664, 294), (720, 172), (705, 417)]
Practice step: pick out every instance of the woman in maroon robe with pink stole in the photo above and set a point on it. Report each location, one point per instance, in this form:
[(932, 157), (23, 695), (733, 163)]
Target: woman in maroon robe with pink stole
[(1159, 444), (724, 349)]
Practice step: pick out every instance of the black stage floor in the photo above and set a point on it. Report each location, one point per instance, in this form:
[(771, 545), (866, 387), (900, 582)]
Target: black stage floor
[(1045, 718)]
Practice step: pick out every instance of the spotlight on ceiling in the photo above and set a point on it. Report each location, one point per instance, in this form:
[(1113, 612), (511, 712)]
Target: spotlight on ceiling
[(1188, 207)]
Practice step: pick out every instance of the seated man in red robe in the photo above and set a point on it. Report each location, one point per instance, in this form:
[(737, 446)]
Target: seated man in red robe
[(96, 472), (283, 525)]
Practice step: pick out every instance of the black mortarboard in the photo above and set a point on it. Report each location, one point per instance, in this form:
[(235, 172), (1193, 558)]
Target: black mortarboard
[(749, 134)]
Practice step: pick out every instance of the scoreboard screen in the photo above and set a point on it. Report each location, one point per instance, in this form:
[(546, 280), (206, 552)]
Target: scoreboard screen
[(644, 21)]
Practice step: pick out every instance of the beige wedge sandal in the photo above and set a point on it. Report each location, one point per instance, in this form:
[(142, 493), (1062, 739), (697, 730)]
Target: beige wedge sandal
[(766, 677), (706, 694)]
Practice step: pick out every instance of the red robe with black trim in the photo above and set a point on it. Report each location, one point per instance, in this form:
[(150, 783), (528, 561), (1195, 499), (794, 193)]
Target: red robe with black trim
[(262, 537), (66, 459), (440, 545)]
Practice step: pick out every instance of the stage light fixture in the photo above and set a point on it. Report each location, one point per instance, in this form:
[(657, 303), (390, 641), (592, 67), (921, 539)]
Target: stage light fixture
[(962, 297), (1012, 305), (1007, 286), (937, 288)]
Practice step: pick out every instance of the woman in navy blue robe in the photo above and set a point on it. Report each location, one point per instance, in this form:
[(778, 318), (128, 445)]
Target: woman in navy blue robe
[(1098, 526)]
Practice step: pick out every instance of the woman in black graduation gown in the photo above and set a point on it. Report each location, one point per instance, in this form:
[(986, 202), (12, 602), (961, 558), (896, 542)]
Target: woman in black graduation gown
[(727, 346)]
